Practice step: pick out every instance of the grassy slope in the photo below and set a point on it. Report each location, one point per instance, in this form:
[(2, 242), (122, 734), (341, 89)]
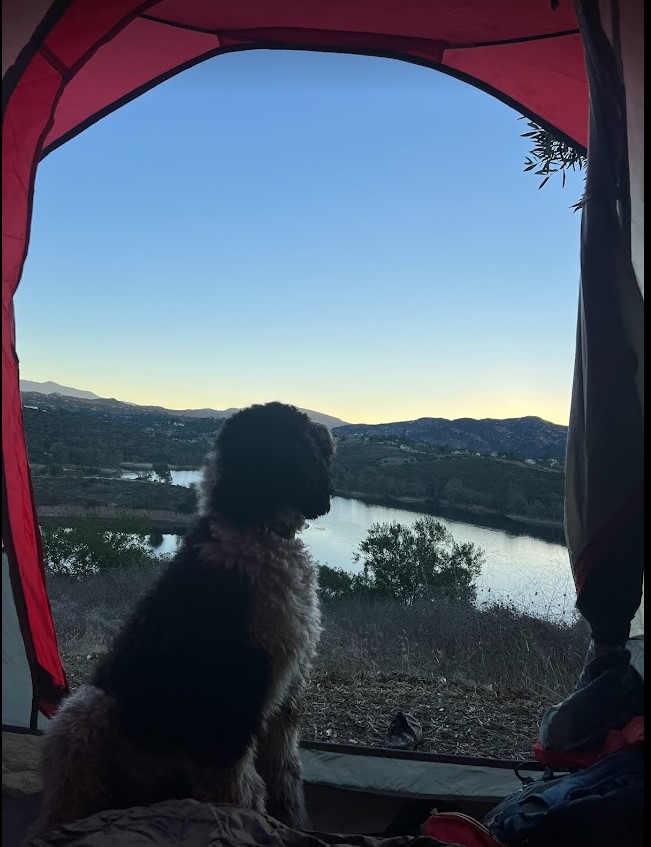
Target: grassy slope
[(477, 679)]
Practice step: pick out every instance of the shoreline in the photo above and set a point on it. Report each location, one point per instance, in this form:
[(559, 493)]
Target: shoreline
[(477, 515), (165, 519), (468, 514)]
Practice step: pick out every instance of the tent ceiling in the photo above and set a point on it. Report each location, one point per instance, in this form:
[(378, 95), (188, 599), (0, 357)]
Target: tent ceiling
[(524, 53)]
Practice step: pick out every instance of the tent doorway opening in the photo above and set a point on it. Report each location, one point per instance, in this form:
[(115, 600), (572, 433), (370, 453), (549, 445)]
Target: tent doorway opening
[(360, 263), (70, 74)]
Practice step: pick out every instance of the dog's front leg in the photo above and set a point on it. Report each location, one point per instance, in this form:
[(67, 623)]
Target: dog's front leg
[(240, 785), (280, 765)]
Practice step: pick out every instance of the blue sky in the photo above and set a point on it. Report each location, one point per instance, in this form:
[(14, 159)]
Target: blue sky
[(349, 234)]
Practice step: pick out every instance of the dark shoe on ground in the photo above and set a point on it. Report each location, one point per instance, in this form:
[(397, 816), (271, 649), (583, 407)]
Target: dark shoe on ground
[(404, 733)]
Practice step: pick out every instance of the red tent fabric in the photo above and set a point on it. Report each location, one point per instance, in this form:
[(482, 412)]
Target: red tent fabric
[(68, 63)]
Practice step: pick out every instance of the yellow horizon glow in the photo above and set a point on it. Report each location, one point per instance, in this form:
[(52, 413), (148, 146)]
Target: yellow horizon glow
[(369, 409)]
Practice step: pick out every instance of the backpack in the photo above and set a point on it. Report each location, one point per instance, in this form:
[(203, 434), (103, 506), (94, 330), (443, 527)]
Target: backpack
[(599, 806)]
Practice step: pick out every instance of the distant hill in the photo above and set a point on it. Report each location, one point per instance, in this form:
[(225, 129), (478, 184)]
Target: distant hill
[(528, 438), (319, 417), (68, 436), (120, 407), (27, 385)]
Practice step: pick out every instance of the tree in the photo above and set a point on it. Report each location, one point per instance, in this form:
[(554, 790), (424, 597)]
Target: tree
[(516, 500), (156, 539), (59, 452), (455, 491), (419, 562), (550, 155), (162, 471), (190, 501), (86, 547), (334, 583)]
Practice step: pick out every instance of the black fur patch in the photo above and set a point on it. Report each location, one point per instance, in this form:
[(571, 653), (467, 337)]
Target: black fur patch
[(183, 671)]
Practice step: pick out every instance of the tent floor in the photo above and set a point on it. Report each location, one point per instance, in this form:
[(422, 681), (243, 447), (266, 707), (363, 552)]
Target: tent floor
[(352, 812), (330, 809), (21, 785)]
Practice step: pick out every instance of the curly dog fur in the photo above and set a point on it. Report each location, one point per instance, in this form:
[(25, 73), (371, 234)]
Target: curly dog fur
[(200, 693)]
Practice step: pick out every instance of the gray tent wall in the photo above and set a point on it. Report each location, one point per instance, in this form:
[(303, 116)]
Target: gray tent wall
[(605, 474), (18, 707)]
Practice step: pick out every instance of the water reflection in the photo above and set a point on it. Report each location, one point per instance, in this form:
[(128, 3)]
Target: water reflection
[(533, 573)]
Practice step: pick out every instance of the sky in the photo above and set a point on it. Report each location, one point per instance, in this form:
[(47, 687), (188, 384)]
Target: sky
[(350, 234)]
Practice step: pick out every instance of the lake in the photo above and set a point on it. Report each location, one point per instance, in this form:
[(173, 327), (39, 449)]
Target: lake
[(531, 572)]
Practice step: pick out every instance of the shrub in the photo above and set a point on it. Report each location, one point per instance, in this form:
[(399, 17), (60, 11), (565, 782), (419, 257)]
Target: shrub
[(86, 547), (418, 563)]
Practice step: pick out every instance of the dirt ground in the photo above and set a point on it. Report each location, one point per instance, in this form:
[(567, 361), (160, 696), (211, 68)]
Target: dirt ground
[(457, 718)]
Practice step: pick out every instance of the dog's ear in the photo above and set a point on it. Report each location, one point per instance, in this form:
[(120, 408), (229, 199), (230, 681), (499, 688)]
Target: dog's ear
[(313, 489)]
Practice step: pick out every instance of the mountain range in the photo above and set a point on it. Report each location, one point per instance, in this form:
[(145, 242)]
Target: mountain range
[(28, 386), (527, 437)]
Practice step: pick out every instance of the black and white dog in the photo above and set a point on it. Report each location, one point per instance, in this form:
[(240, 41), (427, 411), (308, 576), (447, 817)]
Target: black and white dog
[(199, 695)]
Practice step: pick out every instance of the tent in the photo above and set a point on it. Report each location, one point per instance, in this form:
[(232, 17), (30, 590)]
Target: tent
[(574, 68)]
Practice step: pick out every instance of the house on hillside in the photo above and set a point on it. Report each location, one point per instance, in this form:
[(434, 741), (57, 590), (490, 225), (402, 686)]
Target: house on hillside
[(530, 461)]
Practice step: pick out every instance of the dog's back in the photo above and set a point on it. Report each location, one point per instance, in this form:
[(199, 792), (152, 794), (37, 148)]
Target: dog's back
[(202, 662), (184, 672)]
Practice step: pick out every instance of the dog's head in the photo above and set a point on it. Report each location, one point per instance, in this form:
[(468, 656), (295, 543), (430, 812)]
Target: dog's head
[(270, 461)]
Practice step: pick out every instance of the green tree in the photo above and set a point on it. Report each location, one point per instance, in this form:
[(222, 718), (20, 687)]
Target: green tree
[(55, 469), (162, 471), (86, 547), (418, 562), (59, 452), (190, 502), (334, 583), (516, 500), (155, 539), (455, 491)]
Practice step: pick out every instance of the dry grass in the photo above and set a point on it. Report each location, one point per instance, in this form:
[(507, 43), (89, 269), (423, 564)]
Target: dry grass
[(477, 679), (89, 611), (495, 644)]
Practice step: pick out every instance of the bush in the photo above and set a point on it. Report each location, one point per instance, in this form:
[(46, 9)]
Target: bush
[(86, 547), (418, 563), (162, 471), (338, 584)]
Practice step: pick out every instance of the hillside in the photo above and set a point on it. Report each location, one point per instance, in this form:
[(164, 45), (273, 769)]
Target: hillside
[(384, 470), (85, 436), (28, 388), (528, 438), (105, 433)]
